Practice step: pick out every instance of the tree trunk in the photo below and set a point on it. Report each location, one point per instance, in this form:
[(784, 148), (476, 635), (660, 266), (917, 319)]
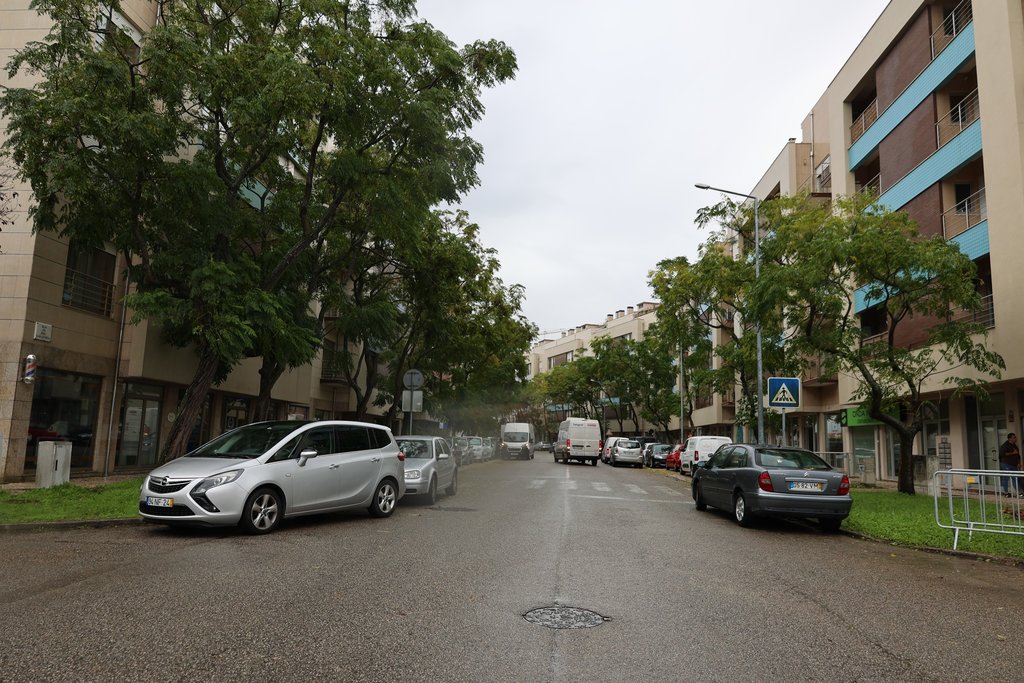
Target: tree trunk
[(190, 407), (269, 374), (906, 479)]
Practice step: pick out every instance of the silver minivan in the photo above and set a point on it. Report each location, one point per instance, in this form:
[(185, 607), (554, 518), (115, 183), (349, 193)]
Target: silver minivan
[(258, 474)]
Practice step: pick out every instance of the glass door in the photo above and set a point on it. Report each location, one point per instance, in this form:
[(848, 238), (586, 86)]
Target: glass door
[(140, 432), (993, 434)]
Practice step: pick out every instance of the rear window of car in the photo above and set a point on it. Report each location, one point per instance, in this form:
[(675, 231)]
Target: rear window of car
[(662, 448), (628, 443), (414, 448), (792, 460)]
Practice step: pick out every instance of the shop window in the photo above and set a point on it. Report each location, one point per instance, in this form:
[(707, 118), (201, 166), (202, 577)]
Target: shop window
[(236, 412), (65, 406)]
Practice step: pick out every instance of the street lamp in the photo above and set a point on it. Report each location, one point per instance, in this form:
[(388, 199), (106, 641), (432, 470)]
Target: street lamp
[(757, 276)]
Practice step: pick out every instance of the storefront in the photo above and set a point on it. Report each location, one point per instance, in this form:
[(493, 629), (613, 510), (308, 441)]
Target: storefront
[(65, 406)]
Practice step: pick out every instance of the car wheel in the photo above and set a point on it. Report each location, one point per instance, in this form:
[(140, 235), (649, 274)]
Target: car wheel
[(740, 512), (831, 524), (384, 499), (594, 462), (262, 511), (698, 499), (431, 496), (454, 486)]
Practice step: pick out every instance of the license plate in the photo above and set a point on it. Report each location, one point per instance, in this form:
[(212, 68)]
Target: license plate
[(160, 502), (805, 486)]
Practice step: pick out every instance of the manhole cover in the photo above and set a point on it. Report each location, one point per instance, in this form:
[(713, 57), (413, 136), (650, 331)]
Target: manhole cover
[(564, 617)]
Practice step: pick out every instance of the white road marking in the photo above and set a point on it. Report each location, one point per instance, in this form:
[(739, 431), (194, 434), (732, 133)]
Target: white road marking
[(633, 488), (601, 486), (669, 490), (536, 484), (632, 500), (570, 485)]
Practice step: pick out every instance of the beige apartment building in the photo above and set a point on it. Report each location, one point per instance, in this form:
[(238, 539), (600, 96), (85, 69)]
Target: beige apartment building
[(108, 387), (928, 111)]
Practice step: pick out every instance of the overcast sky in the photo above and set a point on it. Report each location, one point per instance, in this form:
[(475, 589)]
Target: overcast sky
[(618, 108)]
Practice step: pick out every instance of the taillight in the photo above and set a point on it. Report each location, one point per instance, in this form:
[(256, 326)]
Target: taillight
[(696, 456), (600, 444), (568, 444), (401, 456), (844, 486), (764, 482)]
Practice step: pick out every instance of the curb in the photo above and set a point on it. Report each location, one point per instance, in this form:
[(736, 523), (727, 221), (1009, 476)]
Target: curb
[(77, 524)]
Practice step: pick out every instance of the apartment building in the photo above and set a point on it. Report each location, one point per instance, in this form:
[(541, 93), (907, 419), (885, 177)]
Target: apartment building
[(108, 387), (929, 112)]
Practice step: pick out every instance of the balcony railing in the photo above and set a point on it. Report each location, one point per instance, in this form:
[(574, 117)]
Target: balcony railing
[(985, 315), (959, 117), (814, 373), (88, 293), (964, 215), (864, 121), (875, 185), (332, 367), (951, 26)]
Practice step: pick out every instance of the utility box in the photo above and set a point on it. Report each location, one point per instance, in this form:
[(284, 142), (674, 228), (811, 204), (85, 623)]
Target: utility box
[(866, 469), (53, 463)]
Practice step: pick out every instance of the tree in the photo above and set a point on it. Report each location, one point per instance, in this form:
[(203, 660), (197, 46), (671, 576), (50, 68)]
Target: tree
[(655, 379), (238, 138), (8, 195), (922, 292)]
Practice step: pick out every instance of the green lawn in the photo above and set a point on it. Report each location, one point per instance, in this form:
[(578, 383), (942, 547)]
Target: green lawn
[(910, 520), (70, 502)]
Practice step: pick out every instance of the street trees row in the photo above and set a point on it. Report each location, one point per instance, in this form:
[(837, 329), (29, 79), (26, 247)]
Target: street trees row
[(847, 285), (252, 158)]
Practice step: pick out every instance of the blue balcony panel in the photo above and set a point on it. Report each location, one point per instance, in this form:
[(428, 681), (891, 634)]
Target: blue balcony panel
[(972, 242), (960, 150), (931, 79)]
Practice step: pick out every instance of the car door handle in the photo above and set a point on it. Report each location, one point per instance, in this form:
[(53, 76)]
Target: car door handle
[(374, 459), (333, 467)]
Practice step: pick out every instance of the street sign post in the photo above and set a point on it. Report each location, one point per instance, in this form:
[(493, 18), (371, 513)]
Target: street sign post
[(412, 400), (784, 392)]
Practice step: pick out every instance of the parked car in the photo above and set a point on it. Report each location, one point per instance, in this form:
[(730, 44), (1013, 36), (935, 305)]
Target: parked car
[(488, 448), (698, 449), (258, 474), (672, 459), (460, 448), (543, 446), (754, 481), (606, 452), (429, 466), (655, 454), (627, 451), (475, 448)]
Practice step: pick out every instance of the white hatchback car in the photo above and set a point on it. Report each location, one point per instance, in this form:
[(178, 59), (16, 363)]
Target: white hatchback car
[(258, 474)]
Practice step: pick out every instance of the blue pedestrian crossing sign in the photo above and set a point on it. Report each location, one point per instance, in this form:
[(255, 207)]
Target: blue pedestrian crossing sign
[(784, 392)]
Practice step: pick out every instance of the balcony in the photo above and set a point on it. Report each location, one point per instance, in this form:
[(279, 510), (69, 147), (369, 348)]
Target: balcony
[(951, 26), (959, 117), (964, 215), (874, 184), (88, 293), (985, 315), (815, 375), (864, 121), (332, 367)]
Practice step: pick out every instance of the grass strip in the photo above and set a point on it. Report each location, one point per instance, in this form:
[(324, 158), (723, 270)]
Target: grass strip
[(70, 503)]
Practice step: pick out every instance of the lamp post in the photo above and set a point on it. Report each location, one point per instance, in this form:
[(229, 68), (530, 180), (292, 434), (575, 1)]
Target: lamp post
[(757, 276)]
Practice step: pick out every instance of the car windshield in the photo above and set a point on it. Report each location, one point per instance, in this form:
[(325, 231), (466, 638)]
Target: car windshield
[(475, 441), (791, 459), (662, 448), (414, 448), (516, 437), (250, 441), (628, 444), (460, 441)]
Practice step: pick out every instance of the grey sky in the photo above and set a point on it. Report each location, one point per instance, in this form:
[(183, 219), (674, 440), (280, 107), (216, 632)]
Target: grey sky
[(618, 108)]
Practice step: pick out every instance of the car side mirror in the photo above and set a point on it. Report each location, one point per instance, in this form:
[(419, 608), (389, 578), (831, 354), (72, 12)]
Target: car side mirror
[(443, 456), (306, 455)]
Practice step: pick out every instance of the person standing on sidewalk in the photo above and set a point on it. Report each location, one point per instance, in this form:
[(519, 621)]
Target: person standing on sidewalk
[(1009, 461)]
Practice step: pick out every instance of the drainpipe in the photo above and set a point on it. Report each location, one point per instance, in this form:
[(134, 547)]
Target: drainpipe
[(117, 371)]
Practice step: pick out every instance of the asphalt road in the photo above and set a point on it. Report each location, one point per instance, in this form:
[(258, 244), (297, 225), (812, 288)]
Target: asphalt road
[(439, 594)]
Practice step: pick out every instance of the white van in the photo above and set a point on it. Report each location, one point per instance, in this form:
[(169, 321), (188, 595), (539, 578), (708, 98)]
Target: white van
[(698, 449), (516, 441), (578, 439)]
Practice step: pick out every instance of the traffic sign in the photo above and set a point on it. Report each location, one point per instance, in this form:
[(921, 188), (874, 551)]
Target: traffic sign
[(413, 379), (784, 392)]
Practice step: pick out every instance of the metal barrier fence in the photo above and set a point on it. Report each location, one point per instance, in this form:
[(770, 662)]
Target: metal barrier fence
[(979, 500)]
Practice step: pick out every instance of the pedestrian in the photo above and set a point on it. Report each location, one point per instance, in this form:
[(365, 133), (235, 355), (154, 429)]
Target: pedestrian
[(1009, 461)]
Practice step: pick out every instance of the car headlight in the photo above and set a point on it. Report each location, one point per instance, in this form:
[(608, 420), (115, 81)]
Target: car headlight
[(412, 474), (216, 480)]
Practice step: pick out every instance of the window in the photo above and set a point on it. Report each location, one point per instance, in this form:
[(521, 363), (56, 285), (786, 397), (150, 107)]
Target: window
[(963, 196), (64, 408), (89, 279), (317, 439), (236, 412), (737, 458), (379, 438), (720, 458), (352, 438)]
